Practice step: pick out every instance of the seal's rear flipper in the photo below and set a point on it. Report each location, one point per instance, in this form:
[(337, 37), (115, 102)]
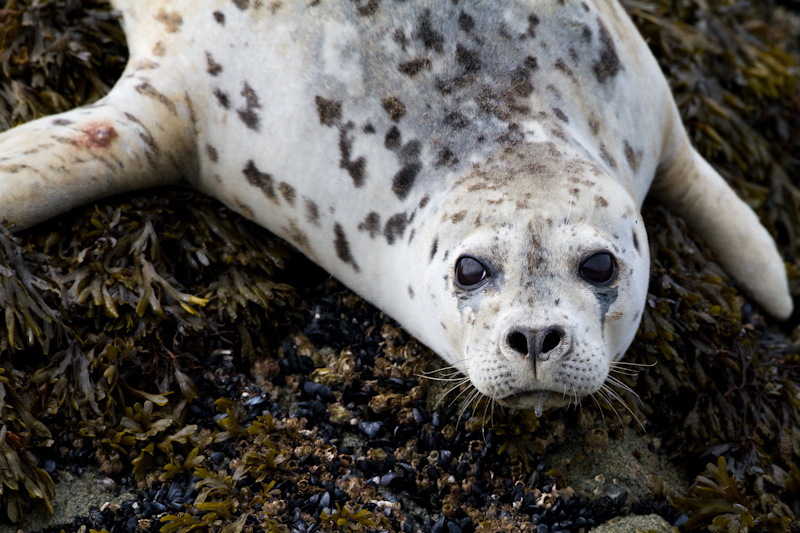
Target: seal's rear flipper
[(691, 188), (136, 137)]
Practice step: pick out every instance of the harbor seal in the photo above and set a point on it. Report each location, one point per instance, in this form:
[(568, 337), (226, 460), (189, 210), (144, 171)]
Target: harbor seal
[(475, 169)]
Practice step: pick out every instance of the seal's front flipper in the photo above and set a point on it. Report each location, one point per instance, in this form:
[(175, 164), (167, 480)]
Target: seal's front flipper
[(691, 188), (136, 137)]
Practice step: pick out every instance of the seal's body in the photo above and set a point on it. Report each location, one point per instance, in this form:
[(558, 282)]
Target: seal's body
[(475, 169)]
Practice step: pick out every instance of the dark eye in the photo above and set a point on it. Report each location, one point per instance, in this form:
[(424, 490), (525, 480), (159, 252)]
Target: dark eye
[(599, 269), (469, 273)]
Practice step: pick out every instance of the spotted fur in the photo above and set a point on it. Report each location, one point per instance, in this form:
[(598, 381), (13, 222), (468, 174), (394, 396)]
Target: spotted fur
[(390, 140)]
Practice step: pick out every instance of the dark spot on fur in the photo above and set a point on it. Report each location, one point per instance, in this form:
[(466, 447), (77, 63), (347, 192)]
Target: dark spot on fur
[(410, 292), (533, 22), (431, 39), (458, 217), (190, 107), (371, 224), (259, 179), (456, 120), (599, 201), (424, 201), (609, 64), (329, 111), (630, 156), (560, 114), (395, 226), (62, 122), (400, 38), (369, 7), (392, 139), (368, 128), (222, 98), (342, 246), (13, 169), (445, 157), (607, 157), (394, 107), (558, 133), (410, 152), (415, 66), (560, 65), (312, 212), (248, 115), (355, 167), (434, 248), (469, 59), (148, 90), (520, 78), (212, 153), (172, 21), (287, 191), (219, 17), (465, 22), (404, 179), (153, 150), (212, 67), (512, 135), (242, 4), (594, 125)]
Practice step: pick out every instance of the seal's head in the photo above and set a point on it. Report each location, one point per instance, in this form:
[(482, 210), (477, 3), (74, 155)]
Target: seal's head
[(545, 271)]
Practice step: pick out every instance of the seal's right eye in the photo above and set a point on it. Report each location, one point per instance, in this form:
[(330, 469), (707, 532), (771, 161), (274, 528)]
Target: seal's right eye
[(599, 269), (470, 273)]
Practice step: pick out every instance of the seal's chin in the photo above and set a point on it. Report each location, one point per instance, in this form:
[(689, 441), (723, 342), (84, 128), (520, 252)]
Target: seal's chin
[(537, 400)]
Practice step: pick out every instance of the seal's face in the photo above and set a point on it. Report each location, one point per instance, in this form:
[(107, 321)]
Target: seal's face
[(546, 283)]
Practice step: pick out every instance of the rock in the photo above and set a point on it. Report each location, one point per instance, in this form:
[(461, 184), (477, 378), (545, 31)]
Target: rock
[(651, 523)]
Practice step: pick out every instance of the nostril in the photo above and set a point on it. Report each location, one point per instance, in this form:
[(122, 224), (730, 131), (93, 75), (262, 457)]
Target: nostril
[(551, 340), (518, 342)]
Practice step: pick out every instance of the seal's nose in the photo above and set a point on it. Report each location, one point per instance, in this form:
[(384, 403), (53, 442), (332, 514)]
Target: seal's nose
[(537, 344)]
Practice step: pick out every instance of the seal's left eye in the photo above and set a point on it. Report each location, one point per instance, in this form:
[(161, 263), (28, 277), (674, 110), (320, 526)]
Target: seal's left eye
[(599, 269), (470, 273)]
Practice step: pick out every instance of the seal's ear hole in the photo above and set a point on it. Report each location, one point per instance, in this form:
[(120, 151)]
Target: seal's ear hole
[(599, 268), (470, 273)]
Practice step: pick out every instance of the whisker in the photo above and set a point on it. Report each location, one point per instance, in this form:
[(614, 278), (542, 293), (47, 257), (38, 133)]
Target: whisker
[(623, 371), (468, 401), (603, 392), (456, 376), (447, 393), (621, 385), (597, 403), (629, 363), (483, 424), (451, 389), (453, 367), (619, 398)]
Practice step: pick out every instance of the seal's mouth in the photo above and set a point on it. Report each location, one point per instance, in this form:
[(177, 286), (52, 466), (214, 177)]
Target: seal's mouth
[(536, 400)]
